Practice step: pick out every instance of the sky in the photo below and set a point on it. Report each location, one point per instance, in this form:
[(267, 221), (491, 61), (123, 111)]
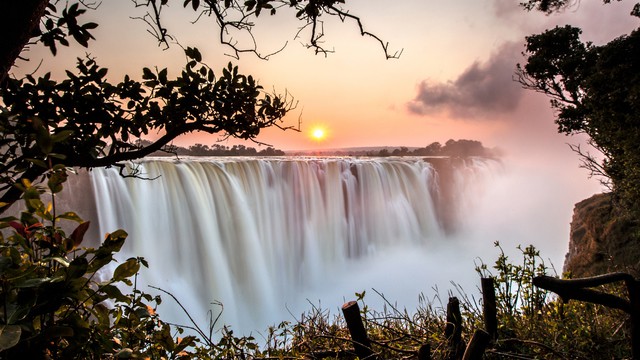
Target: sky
[(453, 80)]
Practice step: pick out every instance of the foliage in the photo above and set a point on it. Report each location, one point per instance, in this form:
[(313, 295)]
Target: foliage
[(550, 6), (454, 148), (54, 301), (86, 121), (594, 90), (218, 150)]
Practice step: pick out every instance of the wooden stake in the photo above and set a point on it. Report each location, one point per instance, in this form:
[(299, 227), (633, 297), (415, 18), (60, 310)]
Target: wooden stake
[(477, 345), (361, 343), (453, 329), (489, 311)]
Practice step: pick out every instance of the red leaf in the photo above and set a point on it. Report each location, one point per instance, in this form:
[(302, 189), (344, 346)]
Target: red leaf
[(78, 234), (18, 227)]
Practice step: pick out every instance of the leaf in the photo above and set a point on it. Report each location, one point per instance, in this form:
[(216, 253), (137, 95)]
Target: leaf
[(56, 180), (113, 292), (19, 228), (90, 25), (162, 76), (77, 268), (103, 72), (126, 269), (58, 156), (61, 136), (9, 336), (147, 74), (32, 283), (78, 234), (17, 312), (62, 261), (193, 53), (70, 215), (38, 162)]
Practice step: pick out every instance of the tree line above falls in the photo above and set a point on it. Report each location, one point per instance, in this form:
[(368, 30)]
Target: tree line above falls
[(455, 148)]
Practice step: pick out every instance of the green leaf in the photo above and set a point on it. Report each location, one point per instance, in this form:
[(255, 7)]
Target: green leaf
[(61, 136), (32, 283), (43, 139), (126, 269), (9, 336), (38, 162), (70, 215), (58, 156), (77, 268), (113, 292), (17, 312)]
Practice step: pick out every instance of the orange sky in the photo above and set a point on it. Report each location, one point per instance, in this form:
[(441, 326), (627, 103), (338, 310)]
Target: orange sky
[(453, 80), (360, 98)]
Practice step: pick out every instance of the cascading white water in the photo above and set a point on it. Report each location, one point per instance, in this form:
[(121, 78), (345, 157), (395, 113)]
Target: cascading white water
[(256, 233)]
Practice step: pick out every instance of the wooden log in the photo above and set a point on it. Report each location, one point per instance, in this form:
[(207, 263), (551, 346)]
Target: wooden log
[(359, 338), (489, 311), (577, 289), (477, 345), (633, 287), (453, 329)]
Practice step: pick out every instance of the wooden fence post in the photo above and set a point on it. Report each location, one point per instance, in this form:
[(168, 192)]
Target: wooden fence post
[(477, 345), (489, 311), (425, 352), (361, 343), (453, 329)]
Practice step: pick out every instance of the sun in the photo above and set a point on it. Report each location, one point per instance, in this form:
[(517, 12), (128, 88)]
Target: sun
[(318, 134)]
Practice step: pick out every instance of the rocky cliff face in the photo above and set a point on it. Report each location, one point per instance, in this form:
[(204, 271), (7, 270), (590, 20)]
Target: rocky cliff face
[(602, 240)]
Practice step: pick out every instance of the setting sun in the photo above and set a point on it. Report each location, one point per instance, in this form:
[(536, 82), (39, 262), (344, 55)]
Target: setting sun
[(318, 134)]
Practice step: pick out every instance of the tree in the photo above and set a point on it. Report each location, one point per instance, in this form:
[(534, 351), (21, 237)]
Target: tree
[(550, 6), (594, 90), (86, 121)]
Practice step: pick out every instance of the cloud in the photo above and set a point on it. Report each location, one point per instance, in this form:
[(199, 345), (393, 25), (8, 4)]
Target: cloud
[(482, 90), (507, 8)]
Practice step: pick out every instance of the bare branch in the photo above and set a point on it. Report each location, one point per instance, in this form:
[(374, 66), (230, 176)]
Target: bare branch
[(385, 46), (589, 162), (238, 18)]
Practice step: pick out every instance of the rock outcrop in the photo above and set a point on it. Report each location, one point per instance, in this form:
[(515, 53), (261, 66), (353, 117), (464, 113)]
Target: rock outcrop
[(602, 240)]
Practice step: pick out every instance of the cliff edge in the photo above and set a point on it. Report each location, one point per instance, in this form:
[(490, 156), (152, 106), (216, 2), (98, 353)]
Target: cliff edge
[(602, 240)]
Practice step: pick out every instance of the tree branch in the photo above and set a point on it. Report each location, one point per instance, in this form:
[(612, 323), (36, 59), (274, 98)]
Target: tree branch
[(575, 289)]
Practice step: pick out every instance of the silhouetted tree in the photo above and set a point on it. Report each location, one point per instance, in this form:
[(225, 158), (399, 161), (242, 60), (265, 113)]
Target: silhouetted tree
[(594, 90)]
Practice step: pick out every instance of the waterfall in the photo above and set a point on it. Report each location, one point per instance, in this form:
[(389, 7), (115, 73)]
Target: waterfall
[(256, 233)]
